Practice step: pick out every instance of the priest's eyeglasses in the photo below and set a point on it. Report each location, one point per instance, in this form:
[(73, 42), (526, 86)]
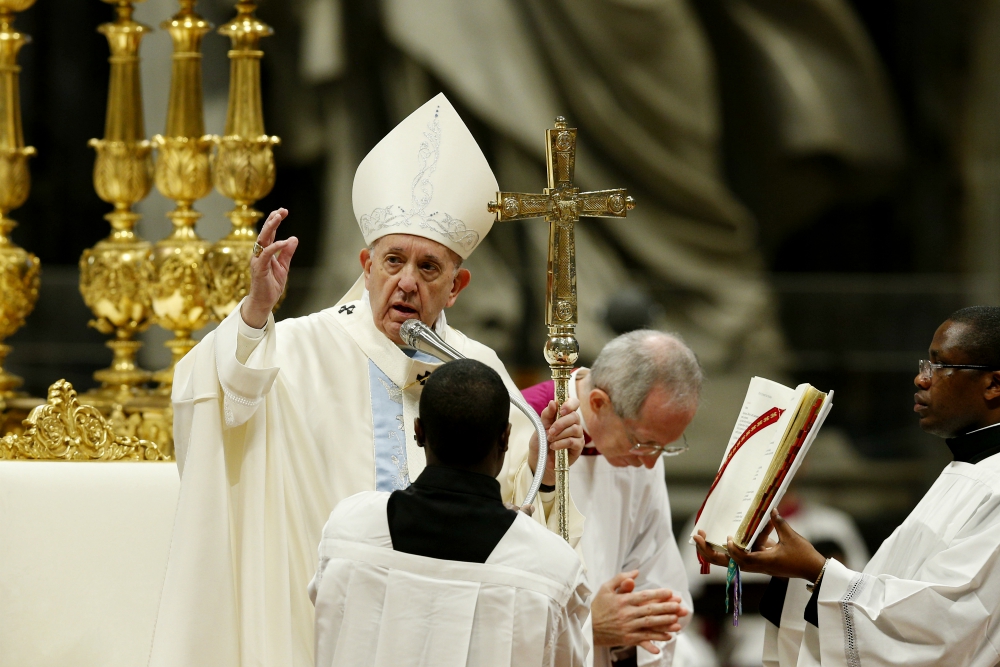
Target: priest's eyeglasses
[(927, 368), (651, 449)]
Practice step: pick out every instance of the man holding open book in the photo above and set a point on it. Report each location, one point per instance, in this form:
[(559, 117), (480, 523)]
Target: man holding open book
[(931, 594)]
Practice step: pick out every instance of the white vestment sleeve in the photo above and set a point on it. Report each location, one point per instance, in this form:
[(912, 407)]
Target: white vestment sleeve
[(248, 339), (783, 644), (244, 384), (943, 619)]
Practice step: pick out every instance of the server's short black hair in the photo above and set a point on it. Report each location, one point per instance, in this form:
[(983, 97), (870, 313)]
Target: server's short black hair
[(981, 340), (464, 410)]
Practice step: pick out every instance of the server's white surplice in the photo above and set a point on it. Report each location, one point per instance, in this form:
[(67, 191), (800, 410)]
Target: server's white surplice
[(929, 596), (526, 605)]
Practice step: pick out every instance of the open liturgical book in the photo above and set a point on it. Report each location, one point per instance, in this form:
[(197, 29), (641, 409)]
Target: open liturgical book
[(772, 435)]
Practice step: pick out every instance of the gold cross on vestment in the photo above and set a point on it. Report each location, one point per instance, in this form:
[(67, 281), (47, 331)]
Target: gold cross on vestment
[(562, 205)]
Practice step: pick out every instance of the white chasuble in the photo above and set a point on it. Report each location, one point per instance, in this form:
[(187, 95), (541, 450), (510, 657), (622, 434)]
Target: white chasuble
[(526, 605), (322, 409), (929, 596)]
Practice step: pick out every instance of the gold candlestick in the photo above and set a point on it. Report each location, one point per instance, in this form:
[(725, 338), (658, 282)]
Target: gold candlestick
[(116, 274), (19, 269), (244, 166), (561, 204), (182, 289)]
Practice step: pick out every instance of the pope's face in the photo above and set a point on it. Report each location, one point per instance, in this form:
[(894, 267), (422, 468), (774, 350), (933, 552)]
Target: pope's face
[(661, 421), (410, 277)]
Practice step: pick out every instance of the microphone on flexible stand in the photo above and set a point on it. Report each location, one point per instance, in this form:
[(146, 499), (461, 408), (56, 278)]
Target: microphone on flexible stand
[(421, 337)]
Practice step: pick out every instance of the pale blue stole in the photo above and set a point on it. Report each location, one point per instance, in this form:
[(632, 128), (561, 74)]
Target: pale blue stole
[(389, 433)]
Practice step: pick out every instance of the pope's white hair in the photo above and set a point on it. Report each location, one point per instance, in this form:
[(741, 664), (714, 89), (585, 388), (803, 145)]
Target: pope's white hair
[(632, 364)]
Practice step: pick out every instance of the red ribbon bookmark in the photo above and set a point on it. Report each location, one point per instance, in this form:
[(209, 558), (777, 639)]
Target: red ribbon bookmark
[(765, 420)]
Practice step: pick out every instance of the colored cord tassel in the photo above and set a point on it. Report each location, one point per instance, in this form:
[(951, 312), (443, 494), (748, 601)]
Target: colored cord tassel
[(734, 592)]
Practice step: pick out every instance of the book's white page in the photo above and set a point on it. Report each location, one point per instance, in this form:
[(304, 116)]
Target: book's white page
[(736, 490), (806, 444)]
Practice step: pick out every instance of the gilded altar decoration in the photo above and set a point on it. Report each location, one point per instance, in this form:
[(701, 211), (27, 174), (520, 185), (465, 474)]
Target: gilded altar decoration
[(64, 430), (561, 204), (244, 165), (116, 274), (181, 291), (19, 269)]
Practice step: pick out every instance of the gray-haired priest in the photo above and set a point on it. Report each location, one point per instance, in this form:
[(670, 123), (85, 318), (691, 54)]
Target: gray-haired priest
[(275, 424)]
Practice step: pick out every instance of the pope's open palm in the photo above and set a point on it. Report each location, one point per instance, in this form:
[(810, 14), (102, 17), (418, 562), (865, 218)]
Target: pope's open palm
[(268, 271)]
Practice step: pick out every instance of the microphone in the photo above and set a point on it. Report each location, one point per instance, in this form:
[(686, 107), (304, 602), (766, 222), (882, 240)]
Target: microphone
[(421, 337)]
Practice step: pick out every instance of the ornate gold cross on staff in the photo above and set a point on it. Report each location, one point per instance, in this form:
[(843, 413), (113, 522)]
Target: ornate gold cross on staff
[(562, 205)]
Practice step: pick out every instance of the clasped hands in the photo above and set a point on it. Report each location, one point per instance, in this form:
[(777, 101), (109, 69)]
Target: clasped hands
[(622, 616), (791, 556)]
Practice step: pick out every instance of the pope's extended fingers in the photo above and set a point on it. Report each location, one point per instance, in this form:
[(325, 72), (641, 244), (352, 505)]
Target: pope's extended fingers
[(270, 251), (284, 258), (270, 228)]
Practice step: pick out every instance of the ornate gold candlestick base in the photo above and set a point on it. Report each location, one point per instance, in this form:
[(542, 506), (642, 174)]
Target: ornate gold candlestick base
[(181, 292), (179, 345), (123, 374), (229, 261), (115, 276), (19, 282)]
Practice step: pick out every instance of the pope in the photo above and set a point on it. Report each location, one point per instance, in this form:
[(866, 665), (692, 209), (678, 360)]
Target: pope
[(274, 424)]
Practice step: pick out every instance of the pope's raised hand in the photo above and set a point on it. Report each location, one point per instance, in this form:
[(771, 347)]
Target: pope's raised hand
[(566, 432), (268, 271)]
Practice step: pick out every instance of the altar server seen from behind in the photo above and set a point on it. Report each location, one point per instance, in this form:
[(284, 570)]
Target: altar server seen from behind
[(635, 403), (274, 424), (442, 573), (931, 594)]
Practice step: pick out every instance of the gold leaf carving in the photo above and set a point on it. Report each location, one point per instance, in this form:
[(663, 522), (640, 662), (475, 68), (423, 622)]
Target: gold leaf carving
[(64, 430)]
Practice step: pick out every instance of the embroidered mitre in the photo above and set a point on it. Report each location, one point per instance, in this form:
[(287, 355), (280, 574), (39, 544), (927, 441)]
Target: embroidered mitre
[(427, 177)]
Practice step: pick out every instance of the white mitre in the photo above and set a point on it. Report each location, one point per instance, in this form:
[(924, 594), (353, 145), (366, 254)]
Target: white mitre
[(427, 177)]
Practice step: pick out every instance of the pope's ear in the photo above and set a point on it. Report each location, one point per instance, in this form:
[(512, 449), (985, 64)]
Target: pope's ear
[(366, 263), (462, 279)]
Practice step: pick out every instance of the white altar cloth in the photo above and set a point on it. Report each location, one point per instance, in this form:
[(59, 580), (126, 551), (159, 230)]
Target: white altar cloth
[(83, 551)]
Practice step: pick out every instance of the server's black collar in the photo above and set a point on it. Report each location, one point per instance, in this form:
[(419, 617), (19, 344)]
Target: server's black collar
[(976, 446), (459, 481)]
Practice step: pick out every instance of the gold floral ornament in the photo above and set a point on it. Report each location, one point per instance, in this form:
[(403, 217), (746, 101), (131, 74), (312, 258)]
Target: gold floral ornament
[(182, 288), (244, 166), (116, 274), (19, 269), (64, 430)]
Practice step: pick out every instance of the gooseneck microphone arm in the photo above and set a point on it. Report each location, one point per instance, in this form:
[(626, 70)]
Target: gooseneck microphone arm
[(419, 336)]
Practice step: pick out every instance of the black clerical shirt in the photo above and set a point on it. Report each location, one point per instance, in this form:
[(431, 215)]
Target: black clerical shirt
[(969, 448), (449, 514)]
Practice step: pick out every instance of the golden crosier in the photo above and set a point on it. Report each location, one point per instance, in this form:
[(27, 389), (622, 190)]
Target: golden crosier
[(183, 173), (244, 166), (561, 204), (116, 274), (19, 269)]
